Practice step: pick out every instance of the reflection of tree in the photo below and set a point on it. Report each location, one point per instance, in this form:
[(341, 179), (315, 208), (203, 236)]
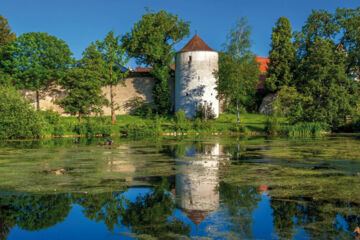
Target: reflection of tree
[(319, 218), (5, 226), (32, 212), (240, 201), (284, 213), (151, 215), (40, 212), (106, 207)]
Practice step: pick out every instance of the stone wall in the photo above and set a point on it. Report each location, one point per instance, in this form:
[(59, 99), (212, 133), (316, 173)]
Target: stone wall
[(138, 85)]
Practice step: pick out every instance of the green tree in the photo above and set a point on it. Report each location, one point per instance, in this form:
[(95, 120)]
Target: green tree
[(6, 36), (114, 61), (37, 61), (323, 80), (18, 119), (349, 21), (282, 56), (238, 72), (84, 84), (151, 42)]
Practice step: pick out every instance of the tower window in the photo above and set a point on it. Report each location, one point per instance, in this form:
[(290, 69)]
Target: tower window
[(190, 59)]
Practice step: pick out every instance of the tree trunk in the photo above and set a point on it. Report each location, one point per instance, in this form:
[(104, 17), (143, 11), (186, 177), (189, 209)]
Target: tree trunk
[(113, 115), (237, 111), (80, 117), (37, 100)]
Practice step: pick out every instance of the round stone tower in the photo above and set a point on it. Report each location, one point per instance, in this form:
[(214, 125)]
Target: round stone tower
[(194, 77)]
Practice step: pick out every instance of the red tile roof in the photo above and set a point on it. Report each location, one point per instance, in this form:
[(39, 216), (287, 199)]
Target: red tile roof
[(263, 63), (196, 44), (143, 69), (263, 68)]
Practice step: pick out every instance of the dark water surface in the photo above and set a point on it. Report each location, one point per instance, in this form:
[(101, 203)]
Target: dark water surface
[(181, 188)]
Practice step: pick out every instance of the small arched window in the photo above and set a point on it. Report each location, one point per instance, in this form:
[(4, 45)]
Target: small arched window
[(190, 59)]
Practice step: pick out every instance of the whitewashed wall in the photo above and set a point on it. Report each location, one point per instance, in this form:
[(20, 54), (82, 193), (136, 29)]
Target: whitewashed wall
[(195, 82)]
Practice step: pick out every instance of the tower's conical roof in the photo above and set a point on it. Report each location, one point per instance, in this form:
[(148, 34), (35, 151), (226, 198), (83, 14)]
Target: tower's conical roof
[(196, 44)]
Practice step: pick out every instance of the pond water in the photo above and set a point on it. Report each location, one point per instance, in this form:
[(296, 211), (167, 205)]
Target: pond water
[(207, 187)]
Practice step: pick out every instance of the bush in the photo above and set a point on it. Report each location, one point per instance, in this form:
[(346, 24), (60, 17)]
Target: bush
[(204, 111), (18, 119), (238, 127), (93, 128), (304, 129), (50, 116), (180, 116), (139, 129), (272, 126), (58, 130), (139, 107)]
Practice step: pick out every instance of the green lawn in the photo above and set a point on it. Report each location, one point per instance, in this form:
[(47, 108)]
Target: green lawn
[(225, 123)]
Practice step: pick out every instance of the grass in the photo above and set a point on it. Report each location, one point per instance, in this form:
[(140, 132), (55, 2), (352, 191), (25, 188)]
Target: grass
[(159, 124)]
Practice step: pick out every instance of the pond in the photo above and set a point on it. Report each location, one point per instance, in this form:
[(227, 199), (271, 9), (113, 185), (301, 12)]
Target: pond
[(196, 187)]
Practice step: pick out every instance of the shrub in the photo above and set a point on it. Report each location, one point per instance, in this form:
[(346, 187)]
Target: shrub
[(204, 111), (305, 129), (272, 125), (138, 129), (18, 119), (238, 127), (81, 128), (50, 116), (139, 107), (58, 130), (180, 116)]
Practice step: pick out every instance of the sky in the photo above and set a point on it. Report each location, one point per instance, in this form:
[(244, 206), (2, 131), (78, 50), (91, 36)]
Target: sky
[(80, 22)]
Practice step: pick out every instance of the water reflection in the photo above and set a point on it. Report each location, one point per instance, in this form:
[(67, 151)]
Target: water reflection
[(221, 188), (197, 182)]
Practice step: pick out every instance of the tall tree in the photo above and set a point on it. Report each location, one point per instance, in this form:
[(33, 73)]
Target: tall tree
[(84, 84), (324, 80), (6, 36), (151, 42), (114, 61), (282, 56), (349, 21), (238, 72), (37, 61)]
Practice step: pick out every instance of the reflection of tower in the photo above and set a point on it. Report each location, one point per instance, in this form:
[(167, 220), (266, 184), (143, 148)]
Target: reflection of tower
[(196, 184)]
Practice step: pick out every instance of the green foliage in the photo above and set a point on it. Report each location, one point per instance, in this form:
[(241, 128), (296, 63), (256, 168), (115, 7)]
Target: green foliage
[(139, 107), (93, 127), (113, 66), (304, 129), (53, 124), (203, 111), (37, 61), (151, 42), (238, 72), (329, 91), (139, 129), (239, 127), (84, 86), (180, 116), (18, 119), (272, 126), (282, 56), (6, 36), (50, 116)]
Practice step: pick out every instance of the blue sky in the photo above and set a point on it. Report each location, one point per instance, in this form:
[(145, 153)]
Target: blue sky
[(79, 22)]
